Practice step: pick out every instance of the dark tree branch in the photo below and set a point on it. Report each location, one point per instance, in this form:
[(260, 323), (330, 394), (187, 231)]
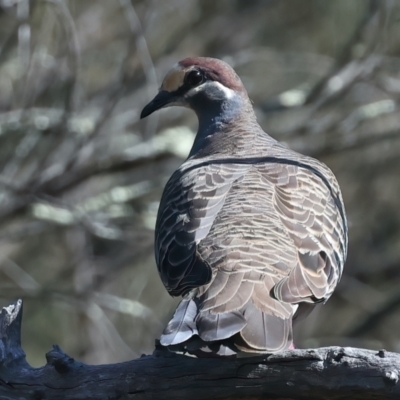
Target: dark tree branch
[(326, 373)]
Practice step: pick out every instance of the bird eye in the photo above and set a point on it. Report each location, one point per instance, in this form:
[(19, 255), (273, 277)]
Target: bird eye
[(194, 78)]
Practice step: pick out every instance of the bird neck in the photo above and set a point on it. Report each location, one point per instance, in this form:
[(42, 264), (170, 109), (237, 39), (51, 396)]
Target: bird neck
[(223, 125)]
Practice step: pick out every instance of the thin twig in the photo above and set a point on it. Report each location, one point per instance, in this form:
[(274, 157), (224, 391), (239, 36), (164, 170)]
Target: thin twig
[(144, 57)]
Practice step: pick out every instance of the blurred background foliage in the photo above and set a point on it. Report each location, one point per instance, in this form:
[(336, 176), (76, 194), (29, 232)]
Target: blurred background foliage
[(81, 176)]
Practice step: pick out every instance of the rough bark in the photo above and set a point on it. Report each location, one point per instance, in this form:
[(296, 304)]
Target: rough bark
[(325, 373)]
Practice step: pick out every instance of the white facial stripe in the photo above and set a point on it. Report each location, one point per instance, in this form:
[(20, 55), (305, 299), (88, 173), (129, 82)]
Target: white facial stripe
[(229, 93), (177, 103), (225, 92)]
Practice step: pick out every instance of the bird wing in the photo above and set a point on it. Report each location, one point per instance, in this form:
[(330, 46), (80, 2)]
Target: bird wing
[(310, 207), (192, 199), (281, 240)]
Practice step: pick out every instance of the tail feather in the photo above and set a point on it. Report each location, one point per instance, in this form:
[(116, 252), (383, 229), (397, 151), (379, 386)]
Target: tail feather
[(182, 325), (213, 327), (266, 332)]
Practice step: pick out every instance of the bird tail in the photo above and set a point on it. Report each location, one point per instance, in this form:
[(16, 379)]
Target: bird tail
[(182, 325), (204, 333), (264, 332)]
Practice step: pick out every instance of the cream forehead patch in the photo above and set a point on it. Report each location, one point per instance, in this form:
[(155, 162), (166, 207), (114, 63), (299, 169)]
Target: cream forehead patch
[(174, 79)]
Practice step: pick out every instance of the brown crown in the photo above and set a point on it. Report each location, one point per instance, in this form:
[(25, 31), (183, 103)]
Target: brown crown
[(217, 70)]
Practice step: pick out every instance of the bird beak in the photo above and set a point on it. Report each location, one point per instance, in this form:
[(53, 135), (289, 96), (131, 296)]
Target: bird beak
[(161, 100)]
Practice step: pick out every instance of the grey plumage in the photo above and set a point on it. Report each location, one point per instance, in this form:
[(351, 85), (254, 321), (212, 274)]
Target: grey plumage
[(248, 231)]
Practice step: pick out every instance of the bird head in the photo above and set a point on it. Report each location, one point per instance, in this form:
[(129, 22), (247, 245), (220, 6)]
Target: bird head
[(206, 85)]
